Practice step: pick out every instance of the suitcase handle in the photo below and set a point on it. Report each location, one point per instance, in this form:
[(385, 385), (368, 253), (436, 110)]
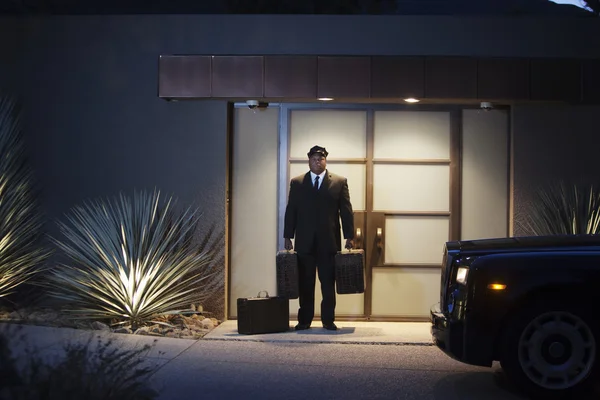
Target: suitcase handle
[(263, 291)]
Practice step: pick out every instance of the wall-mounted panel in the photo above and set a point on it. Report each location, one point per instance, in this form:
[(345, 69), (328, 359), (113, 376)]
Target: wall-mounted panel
[(397, 77), (184, 76), (291, 76), (344, 77), (355, 78), (502, 78), (555, 80), (450, 77), (237, 76)]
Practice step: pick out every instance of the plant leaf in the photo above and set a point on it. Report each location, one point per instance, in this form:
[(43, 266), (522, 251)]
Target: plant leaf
[(21, 251), (133, 259)]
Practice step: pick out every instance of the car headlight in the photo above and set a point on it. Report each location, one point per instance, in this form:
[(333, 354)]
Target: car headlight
[(461, 275)]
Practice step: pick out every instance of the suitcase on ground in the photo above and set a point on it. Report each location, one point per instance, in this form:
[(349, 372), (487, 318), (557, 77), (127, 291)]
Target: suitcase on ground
[(263, 314), (349, 271), (286, 263)]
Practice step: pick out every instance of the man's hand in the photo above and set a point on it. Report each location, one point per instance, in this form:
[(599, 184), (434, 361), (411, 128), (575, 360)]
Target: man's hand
[(288, 244), (349, 243)]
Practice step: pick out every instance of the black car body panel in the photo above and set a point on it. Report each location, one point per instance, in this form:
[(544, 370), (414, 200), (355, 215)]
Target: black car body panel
[(469, 319)]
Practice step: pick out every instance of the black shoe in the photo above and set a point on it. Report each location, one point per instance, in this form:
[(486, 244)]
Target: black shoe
[(330, 326), (302, 327)]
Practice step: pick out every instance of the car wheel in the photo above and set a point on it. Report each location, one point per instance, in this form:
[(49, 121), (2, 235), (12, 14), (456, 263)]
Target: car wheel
[(550, 353)]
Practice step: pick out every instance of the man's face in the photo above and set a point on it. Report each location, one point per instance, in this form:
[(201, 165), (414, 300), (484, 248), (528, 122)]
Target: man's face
[(317, 163)]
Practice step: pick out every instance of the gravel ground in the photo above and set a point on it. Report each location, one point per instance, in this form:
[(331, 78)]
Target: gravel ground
[(193, 325)]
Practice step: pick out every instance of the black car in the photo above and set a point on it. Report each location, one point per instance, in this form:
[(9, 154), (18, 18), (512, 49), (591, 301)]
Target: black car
[(530, 303)]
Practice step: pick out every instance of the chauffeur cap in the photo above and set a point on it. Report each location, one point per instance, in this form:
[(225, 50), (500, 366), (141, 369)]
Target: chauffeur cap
[(318, 149)]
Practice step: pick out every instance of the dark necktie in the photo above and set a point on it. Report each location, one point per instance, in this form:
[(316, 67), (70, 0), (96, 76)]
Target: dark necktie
[(317, 183)]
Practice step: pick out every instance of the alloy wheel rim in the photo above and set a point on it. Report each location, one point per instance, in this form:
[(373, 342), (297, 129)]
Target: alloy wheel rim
[(557, 350)]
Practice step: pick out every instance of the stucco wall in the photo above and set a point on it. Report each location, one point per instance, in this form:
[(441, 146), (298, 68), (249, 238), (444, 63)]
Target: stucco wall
[(95, 127), (552, 143), (11, 43), (543, 36)]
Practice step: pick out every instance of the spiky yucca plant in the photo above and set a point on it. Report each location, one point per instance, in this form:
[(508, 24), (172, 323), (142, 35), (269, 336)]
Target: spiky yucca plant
[(21, 252), (563, 209), (133, 260)]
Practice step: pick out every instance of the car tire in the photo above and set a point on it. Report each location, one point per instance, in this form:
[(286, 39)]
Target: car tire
[(551, 351)]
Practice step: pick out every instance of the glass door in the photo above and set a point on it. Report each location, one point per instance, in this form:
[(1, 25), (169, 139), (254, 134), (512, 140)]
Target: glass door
[(402, 176)]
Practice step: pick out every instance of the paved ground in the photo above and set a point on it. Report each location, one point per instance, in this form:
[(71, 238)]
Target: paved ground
[(314, 365), (264, 370)]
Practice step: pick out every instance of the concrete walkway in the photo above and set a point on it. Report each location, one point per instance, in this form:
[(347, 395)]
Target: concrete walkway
[(355, 332), (51, 341), (184, 359)]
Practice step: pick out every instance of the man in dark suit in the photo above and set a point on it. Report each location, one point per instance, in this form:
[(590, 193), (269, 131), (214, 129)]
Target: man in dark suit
[(316, 202)]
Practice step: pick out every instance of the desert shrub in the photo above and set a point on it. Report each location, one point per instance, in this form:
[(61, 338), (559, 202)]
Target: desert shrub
[(133, 259), (21, 252), (562, 209)]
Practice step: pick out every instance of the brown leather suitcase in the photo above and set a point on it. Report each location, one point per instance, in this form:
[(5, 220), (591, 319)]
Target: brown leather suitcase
[(263, 314), (350, 271), (286, 263)]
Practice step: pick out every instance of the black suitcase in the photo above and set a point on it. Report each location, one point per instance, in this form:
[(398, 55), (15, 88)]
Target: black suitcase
[(286, 264), (350, 271), (263, 314)]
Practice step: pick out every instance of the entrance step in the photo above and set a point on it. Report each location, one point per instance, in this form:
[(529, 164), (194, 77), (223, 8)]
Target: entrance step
[(349, 332)]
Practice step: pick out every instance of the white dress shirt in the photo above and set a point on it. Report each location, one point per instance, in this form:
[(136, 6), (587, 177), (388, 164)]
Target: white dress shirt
[(313, 176)]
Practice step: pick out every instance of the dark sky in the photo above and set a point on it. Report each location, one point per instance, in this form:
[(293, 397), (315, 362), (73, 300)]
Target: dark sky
[(414, 7)]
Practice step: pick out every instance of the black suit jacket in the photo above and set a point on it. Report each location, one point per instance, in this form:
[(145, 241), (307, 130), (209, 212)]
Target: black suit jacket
[(316, 214)]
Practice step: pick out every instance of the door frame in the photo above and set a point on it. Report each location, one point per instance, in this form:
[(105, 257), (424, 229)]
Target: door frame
[(455, 165)]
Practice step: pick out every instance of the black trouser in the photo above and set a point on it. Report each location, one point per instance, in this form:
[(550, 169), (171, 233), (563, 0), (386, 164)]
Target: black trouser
[(308, 265)]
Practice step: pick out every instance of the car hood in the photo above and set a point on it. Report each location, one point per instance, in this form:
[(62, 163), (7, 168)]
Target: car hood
[(525, 242)]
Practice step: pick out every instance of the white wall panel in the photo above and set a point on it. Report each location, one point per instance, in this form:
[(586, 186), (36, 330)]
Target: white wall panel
[(412, 135), (485, 174), (341, 132), (415, 239), (253, 204), (406, 292), (411, 187)]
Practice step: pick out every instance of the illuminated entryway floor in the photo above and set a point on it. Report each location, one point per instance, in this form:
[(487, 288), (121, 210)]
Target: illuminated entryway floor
[(350, 332)]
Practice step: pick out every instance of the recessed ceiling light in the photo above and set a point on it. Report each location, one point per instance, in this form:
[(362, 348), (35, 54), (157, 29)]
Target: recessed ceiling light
[(325, 98), (411, 100)]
